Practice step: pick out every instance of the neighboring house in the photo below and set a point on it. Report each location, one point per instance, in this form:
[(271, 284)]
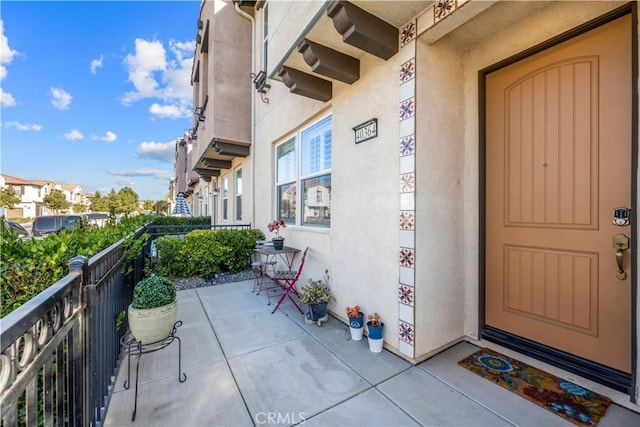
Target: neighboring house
[(455, 165), (74, 194), (30, 193)]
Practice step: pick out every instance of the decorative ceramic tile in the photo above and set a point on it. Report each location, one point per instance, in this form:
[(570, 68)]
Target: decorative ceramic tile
[(408, 70), (407, 164), (407, 90), (407, 220), (405, 294), (407, 276), (407, 201), (406, 314), (407, 238), (407, 33), (407, 109), (407, 257), (406, 348), (443, 8), (407, 145), (406, 332), (407, 127), (407, 182)]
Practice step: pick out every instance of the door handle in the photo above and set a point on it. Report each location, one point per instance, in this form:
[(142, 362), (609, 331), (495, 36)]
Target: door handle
[(620, 244)]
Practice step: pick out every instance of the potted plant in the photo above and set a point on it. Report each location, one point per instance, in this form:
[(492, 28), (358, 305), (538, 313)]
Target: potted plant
[(276, 225), (356, 322), (317, 295), (153, 310), (375, 328)]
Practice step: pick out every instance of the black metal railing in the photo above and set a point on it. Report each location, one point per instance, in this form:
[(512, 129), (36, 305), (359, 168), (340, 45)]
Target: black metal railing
[(60, 350)]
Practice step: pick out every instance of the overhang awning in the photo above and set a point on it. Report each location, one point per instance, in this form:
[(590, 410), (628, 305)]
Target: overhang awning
[(338, 37), (218, 155)]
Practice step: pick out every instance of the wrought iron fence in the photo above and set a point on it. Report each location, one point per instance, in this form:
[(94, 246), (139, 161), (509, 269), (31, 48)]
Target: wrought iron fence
[(60, 351)]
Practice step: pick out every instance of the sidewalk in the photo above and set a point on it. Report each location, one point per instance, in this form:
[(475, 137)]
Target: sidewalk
[(246, 366)]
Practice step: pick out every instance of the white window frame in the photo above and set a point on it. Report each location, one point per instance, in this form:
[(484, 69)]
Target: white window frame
[(238, 194), (297, 178), (225, 198)]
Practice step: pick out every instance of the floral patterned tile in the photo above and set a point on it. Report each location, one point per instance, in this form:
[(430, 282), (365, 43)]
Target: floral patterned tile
[(407, 220), (407, 33), (406, 332), (405, 294), (407, 182), (408, 70), (407, 257), (407, 145), (443, 8), (407, 109)]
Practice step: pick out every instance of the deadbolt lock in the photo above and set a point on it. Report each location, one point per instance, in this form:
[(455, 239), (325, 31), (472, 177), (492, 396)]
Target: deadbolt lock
[(620, 241), (620, 244)]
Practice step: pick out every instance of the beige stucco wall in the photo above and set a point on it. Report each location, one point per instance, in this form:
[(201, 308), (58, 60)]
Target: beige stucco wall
[(447, 133), (361, 247), (228, 113)]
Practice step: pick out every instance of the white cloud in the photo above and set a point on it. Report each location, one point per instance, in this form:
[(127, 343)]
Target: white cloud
[(6, 99), (23, 126), (169, 111), (164, 152), (60, 98), (6, 56), (109, 137), (160, 74), (149, 57), (125, 182), (155, 173), (73, 135), (95, 64)]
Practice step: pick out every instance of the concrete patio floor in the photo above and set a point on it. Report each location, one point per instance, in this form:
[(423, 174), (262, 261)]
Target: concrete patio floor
[(248, 367)]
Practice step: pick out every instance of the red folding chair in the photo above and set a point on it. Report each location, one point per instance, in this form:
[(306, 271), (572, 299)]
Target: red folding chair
[(287, 280), (262, 269)]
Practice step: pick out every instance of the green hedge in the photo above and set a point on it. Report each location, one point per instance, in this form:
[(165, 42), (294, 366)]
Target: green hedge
[(27, 268), (205, 252)]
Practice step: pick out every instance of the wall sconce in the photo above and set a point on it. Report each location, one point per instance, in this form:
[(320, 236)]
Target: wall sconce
[(199, 112), (261, 85)]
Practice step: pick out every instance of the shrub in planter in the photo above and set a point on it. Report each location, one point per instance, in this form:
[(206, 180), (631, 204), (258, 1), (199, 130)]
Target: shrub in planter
[(317, 295), (154, 309)]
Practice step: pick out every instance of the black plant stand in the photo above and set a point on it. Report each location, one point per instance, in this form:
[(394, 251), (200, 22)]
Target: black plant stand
[(136, 348)]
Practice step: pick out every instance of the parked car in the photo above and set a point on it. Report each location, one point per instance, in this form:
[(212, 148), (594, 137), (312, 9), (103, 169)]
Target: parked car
[(17, 228), (99, 219), (48, 224)]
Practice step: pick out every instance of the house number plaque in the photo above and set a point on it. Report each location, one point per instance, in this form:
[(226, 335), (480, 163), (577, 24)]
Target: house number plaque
[(365, 131)]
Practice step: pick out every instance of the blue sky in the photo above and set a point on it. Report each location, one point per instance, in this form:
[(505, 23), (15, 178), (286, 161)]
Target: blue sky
[(96, 92)]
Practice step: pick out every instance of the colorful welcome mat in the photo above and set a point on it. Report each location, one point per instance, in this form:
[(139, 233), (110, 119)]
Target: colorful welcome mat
[(566, 399)]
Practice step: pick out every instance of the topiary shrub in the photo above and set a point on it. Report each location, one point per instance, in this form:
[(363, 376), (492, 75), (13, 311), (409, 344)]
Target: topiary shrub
[(152, 292)]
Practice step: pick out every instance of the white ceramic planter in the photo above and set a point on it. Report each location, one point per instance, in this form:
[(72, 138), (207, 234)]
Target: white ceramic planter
[(152, 324), (356, 333), (375, 344)]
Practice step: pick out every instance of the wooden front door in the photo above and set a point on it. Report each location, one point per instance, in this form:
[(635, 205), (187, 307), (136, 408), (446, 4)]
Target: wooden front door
[(558, 162)]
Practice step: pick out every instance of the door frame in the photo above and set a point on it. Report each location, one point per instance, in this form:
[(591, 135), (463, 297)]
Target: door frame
[(609, 377)]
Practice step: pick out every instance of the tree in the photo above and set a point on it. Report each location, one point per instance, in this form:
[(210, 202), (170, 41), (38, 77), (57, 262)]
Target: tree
[(79, 207), (113, 203), (128, 200), (8, 198), (99, 203), (148, 205), (162, 206), (56, 201)]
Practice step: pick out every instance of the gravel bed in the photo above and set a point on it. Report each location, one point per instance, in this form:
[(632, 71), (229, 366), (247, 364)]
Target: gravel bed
[(183, 283)]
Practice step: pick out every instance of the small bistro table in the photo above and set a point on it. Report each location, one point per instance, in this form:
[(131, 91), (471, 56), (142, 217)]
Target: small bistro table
[(284, 279)]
